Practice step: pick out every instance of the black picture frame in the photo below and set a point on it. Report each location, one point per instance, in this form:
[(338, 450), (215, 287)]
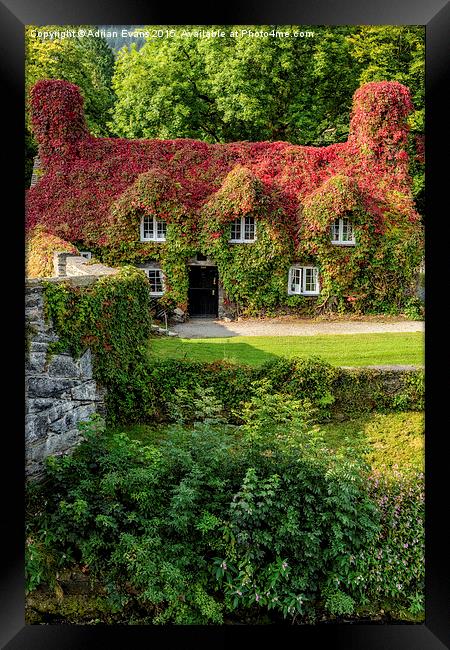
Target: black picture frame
[(434, 634)]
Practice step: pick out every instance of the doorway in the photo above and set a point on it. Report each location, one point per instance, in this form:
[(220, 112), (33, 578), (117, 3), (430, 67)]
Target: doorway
[(203, 291)]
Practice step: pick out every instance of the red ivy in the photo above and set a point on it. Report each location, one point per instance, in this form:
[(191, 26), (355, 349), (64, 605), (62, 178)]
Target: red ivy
[(92, 182)]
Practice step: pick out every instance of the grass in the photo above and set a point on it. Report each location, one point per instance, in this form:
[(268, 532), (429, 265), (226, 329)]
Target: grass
[(388, 438), (339, 350)]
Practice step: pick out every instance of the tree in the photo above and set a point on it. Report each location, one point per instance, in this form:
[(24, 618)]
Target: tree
[(233, 89)]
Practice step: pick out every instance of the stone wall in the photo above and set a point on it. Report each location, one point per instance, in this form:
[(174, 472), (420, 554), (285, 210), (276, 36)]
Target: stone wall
[(60, 391)]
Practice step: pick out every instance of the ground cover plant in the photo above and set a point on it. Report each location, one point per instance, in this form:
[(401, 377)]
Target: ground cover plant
[(344, 350)]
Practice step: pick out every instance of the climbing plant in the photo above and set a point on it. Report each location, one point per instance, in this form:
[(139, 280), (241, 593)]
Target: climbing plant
[(111, 317), (96, 191)]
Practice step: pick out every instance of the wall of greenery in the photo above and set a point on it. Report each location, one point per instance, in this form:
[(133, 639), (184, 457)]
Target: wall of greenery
[(112, 318)]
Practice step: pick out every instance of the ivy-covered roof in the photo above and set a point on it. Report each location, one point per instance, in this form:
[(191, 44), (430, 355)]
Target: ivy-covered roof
[(90, 184)]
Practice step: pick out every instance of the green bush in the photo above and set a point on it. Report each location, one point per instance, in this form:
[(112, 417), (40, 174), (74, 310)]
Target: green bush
[(392, 568), (206, 523)]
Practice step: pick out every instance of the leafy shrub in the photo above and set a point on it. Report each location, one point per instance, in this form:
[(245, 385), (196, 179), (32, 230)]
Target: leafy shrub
[(39, 249), (207, 522), (392, 568)]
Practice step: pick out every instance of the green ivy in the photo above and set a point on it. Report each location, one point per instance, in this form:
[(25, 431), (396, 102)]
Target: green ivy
[(112, 318)]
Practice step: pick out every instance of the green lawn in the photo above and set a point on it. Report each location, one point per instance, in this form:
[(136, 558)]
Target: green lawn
[(339, 350)]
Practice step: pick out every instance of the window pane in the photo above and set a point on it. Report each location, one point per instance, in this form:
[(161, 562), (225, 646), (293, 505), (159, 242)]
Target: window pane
[(344, 230), (347, 230), (160, 229), (249, 228), (155, 279), (310, 279), (148, 228), (296, 280), (335, 230), (236, 229)]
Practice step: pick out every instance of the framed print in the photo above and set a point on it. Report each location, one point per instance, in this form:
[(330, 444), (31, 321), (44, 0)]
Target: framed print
[(227, 224)]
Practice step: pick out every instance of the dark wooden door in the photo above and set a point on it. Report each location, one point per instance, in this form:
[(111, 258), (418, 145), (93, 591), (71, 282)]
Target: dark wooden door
[(203, 291)]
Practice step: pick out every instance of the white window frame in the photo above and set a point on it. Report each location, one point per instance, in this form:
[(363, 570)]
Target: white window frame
[(155, 237), (340, 241), (161, 275), (302, 284), (242, 239)]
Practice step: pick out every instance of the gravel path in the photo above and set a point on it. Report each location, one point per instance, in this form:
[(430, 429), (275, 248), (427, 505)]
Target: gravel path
[(198, 328)]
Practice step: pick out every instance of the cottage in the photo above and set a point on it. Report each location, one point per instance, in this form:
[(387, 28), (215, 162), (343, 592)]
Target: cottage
[(244, 226)]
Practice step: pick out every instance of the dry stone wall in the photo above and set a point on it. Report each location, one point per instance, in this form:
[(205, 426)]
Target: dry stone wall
[(60, 391)]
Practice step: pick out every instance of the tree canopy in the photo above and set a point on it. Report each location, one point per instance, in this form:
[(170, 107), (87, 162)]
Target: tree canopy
[(232, 89)]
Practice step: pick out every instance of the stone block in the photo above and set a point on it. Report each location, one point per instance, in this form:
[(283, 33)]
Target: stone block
[(63, 365), (36, 346), (86, 391), (29, 427), (49, 387), (85, 365), (35, 453), (40, 427), (39, 404), (33, 314), (33, 300), (36, 362), (61, 443), (45, 335), (82, 413)]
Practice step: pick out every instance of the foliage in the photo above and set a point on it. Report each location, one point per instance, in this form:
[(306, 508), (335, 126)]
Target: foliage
[(111, 317), (166, 390), (397, 53), (247, 88), (198, 188), (206, 522), (85, 61), (234, 89), (392, 568), (39, 249)]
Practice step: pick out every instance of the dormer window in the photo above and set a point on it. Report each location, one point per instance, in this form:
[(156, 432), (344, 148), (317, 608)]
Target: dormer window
[(243, 229), (153, 229), (304, 280), (342, 232)]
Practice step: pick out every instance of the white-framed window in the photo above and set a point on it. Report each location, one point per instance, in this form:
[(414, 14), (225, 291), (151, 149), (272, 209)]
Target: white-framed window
[(153, 229), (304, 280), (243, 229), (156, 280), (342, 232)]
